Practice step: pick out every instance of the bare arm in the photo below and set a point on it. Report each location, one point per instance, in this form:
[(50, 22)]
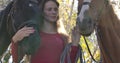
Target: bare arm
[(20, 34), (23, 32)]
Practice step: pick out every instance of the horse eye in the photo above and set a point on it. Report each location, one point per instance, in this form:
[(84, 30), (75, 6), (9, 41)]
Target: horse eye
[(30, 5), (49, 9)]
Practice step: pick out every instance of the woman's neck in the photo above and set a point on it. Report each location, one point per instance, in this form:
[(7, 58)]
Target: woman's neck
[(49, 27)]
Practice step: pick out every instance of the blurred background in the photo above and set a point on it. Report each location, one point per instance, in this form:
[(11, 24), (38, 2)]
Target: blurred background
[(68, 13)]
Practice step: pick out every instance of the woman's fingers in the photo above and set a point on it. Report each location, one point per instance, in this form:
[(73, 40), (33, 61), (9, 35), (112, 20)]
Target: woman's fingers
[(22, 33), (28, 32), (27, 28), (25, 31), (76, 35), (76, 30)]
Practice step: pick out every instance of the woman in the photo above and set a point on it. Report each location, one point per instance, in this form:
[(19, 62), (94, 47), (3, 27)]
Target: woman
[(52, 40)]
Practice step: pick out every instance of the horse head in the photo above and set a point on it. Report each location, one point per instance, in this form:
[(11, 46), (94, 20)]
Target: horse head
[(89, 13)]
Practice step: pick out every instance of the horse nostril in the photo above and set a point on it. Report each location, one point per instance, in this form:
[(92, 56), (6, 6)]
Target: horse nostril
[(86, 26)]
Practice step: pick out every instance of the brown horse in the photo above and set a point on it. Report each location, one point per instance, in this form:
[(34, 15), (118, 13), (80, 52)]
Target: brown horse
[(107, 27)]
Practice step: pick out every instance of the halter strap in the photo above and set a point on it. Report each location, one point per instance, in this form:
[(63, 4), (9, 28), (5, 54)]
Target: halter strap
[(86, 3)]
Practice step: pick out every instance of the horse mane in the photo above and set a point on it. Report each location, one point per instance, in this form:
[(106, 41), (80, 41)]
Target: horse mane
[(110, 19), (115, 20), (109, 12)]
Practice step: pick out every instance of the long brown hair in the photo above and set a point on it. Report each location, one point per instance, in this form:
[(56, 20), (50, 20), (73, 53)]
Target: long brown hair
[(58, 24)]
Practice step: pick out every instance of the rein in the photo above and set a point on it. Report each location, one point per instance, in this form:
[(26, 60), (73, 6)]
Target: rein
[(89, 49), (65, 54)]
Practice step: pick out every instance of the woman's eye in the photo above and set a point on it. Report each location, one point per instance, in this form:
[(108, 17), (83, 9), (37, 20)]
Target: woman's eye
[(49, 9), (55, 9)]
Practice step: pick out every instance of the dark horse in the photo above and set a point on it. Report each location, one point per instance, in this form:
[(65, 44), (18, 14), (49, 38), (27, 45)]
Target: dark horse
[(17, 14), (107, 26)]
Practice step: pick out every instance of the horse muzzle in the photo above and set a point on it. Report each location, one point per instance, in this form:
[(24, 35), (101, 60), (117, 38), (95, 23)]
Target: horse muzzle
[(86, 26)]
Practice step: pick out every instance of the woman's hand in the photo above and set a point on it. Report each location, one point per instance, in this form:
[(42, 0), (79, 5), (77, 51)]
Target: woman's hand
[(23, 32), (76, 35)]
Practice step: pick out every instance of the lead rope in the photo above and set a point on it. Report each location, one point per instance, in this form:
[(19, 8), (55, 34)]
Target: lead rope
[(66, 54), (63, 55), (89, 50), (79, 55)]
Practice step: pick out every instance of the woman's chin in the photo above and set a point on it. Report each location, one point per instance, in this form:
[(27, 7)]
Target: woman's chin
[(53, 20)]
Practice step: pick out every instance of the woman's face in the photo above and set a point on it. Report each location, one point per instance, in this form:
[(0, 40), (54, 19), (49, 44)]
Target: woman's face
[(50, 11)]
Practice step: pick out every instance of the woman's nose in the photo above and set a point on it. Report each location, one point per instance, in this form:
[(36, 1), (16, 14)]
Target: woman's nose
[(54, 11)]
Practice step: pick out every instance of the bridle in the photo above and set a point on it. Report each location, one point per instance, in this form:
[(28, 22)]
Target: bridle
[(84, 7)]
